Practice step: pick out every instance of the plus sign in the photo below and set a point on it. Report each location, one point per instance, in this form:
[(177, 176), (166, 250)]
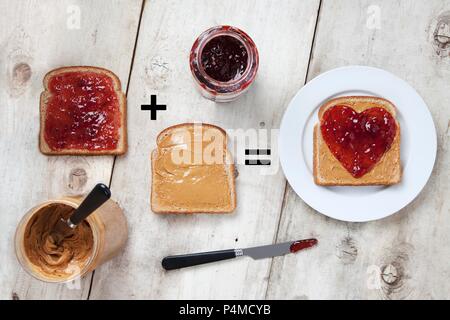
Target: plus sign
[(153, 107)]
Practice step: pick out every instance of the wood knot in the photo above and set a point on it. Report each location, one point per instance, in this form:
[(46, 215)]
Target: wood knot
[(157, 72), (389, 274), (236, 173), (347, 250), (394, 276), (262, 124), (441, 34), (15, 296), (21, 74), (77, 179)]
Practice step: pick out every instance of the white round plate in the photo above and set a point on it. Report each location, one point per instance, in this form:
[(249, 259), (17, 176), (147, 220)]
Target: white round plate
[(418, 144)]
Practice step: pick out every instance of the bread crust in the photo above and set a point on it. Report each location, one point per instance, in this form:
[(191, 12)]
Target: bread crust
[(187, 124), (328, 171), (123, 138), (228, 163), (352, 101)]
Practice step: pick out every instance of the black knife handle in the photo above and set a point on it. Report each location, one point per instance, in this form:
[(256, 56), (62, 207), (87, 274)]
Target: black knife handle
[(193, 259), (99, 195)]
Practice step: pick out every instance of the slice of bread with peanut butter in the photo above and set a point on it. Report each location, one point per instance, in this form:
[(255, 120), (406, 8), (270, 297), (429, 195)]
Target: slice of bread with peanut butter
[(375, 128), (192, 171)]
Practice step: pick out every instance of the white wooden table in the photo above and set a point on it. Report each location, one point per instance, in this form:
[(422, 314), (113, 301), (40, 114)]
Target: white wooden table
[(147, 45)]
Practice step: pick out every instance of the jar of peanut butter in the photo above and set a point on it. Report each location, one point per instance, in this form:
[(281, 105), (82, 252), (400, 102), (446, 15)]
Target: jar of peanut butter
[(97, 239)]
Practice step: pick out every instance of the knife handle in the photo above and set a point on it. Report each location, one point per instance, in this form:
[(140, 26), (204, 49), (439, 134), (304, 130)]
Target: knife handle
[(99, 195), (193, 259)]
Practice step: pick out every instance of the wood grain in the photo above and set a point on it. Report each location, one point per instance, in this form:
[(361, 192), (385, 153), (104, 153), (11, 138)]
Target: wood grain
[(37, 36), (403, 256), (168, 30)]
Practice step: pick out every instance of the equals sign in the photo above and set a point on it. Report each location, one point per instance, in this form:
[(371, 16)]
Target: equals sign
[(257, 152)]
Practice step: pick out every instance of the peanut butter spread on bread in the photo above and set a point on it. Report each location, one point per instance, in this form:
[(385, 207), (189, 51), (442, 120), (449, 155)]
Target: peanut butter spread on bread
[(189, 170), (53, 260)]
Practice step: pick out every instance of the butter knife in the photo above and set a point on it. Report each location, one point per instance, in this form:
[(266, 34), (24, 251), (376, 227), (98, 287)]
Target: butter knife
[(261, 252)]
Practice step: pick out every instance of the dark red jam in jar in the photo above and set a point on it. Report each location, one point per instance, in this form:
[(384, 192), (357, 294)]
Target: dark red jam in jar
[(224, 61), (82, 112), (224, 58)]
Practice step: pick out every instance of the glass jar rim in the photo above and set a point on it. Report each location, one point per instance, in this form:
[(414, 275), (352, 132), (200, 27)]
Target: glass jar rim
[(224, 87)]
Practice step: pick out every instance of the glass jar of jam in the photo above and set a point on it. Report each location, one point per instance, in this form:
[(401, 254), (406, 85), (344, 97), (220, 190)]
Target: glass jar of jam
[(224, 61)]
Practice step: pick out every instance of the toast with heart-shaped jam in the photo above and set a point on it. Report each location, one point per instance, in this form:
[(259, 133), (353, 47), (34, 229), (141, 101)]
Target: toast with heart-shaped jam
[(357, 143)]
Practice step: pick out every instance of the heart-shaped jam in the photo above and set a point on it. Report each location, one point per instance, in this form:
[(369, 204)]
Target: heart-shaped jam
[(358, 140)]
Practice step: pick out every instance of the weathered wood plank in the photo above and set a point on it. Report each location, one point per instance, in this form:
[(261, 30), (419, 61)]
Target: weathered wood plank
[(411, 247), (36, 36), (283, 33)]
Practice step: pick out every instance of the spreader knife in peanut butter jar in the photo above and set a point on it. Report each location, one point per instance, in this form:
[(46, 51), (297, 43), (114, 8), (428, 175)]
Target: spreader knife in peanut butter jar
[(60, 240), (65, 227)]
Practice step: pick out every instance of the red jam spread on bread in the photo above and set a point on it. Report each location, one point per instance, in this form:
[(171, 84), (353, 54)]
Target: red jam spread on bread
[(82, 112), (224, 58), (358, 140)]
